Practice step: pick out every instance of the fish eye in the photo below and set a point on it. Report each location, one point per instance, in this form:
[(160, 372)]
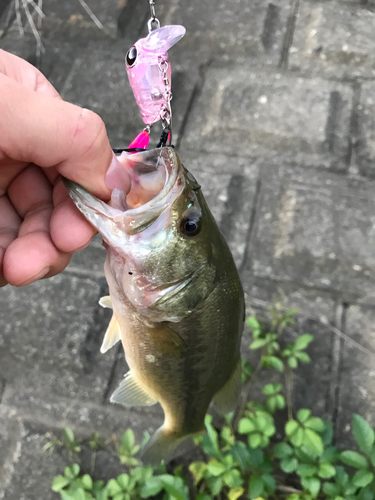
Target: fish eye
[(131, 56), (190, 226)]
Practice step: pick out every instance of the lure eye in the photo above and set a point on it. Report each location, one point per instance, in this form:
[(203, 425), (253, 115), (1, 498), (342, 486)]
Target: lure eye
[(131, 56), (190, 226)]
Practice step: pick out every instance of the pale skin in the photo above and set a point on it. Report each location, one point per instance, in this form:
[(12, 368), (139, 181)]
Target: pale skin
[(42, 138)]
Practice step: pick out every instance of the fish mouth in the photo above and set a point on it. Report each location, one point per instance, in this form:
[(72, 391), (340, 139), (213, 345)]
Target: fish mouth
[(157, 179)]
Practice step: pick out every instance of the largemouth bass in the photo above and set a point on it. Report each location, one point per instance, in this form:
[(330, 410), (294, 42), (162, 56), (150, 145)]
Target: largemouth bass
[(178, 304)]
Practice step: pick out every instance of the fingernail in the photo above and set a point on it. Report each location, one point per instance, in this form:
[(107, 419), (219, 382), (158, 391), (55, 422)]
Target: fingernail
[(36, 277), (117, 176)]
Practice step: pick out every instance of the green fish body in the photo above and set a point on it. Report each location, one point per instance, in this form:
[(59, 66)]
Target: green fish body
[(177, 299)]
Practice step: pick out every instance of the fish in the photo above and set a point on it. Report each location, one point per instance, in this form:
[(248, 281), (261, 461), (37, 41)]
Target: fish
[(177, 299), (149, 71)]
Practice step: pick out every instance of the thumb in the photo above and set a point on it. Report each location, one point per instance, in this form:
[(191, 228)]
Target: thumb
[(49, 132)]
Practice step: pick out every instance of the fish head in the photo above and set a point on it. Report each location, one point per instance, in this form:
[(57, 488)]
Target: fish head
[(160, 237)]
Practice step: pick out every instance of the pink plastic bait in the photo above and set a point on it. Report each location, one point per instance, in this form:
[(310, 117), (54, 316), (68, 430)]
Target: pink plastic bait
[(149, 72)]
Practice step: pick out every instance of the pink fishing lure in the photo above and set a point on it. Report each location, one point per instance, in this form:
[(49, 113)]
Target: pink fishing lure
[(149, 71)]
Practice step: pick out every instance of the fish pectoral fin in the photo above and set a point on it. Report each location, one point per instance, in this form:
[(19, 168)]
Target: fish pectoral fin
[(167, 341), (106, 301), (226, 399), (112, 335), (130, 393)]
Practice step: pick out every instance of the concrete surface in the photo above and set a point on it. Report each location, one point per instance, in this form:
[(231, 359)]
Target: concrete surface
[(274, 105)]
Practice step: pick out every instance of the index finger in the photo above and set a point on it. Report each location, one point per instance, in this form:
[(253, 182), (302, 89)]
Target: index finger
[(25, 73), (50, 132)]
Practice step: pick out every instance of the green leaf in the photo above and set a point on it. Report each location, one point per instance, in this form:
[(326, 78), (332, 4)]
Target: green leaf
[(256, 457), (212, 437), (98, 485), (102, 495), (280, 402), (123, 480), (316, 424), (256, 486), (113, 487), (245, 426), (215, 468), (232, 478), (363, 433), (362, 478), (306, 470), (241, 454), (269, 430), (330, 455), (203, 496), (79, 494), (292, 362), (269, 482), (283, 450), (255, 440), (303, 341), (354, 459), (197, 469), (258, 344), (303, 357), (272, 404), (66, 496), (235, 493), (175, 486), (87, 482), (326, 470), (215, 484), (289, 464), (298, 437), (271, 389), (152, 487), (313, 442), (331, 489), (291, 427), (72, 471), (312, 484), (253, 323), (68, 435), (127, 442), (303, 415), (59, 483), (276, 363)]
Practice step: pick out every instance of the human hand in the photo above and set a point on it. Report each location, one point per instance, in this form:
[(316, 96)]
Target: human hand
[(41, 138)]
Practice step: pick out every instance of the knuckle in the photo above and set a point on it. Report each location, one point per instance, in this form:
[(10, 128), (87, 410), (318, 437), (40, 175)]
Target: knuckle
[(89, 132)]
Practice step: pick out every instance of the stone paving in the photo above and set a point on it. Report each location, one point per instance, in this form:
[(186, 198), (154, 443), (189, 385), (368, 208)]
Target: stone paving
[(274, 106)]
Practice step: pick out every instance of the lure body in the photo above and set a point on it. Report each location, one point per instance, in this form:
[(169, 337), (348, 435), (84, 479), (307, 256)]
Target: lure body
[(149, 71)]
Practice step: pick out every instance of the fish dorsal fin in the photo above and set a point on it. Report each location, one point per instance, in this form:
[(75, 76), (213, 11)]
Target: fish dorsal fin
[(112, 335), (130, 393), (106, 301), (225, 400)]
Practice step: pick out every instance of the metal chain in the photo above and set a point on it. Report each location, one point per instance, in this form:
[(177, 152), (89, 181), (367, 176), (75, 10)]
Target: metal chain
[(153, 22), (166, 111)]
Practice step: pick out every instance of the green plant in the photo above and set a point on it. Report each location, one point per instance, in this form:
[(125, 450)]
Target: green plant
[(245, 457)]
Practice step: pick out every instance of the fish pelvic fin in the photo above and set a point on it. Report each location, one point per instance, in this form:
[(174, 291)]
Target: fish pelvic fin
[(112, 335), (130, 393), (160, 446), (226, 399), (106, 302)]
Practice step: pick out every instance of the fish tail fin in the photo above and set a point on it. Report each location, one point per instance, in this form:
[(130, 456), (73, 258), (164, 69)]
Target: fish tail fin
[(161, 446)]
